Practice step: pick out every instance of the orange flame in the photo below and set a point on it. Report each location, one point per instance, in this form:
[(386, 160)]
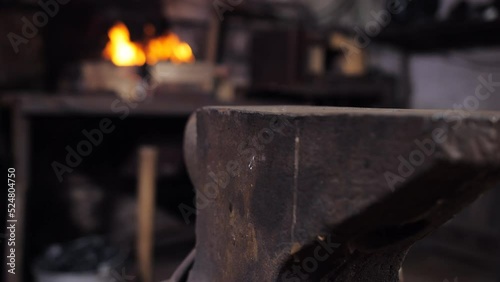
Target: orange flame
[(122, 52), (167, 47)]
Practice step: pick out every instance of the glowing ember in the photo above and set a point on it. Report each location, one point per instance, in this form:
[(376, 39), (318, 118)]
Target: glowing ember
[(120, 50), (123, 52), (182, 53)]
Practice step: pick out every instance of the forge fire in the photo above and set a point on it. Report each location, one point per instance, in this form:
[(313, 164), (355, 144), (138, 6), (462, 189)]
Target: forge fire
[(123, 52)]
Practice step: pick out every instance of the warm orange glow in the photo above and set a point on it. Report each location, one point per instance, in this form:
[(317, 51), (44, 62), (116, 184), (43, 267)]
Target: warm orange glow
[(161, 48), (167, 47), (182, 53), (122, 52)]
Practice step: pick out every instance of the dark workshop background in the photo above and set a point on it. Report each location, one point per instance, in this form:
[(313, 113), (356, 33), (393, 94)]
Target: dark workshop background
[(59, 76)]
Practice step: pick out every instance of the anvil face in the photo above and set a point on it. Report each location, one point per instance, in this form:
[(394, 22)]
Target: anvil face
[(329, 194)]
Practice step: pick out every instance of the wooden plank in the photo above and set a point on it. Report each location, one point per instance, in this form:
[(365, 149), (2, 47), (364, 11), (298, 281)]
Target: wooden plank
[(109, 105), (148, 157)]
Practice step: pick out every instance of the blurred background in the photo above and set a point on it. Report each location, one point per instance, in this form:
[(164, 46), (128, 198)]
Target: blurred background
[(121, 76)]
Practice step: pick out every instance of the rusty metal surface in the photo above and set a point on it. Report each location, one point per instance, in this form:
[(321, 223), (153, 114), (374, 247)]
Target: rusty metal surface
[(329, 194)]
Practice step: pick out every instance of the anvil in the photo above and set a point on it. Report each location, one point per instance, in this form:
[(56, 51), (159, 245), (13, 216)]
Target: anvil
[(287, 193)]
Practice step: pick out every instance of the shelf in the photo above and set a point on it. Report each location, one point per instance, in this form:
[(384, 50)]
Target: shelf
[(109, 105), (441, 36), (333, 89), (105, 104)]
